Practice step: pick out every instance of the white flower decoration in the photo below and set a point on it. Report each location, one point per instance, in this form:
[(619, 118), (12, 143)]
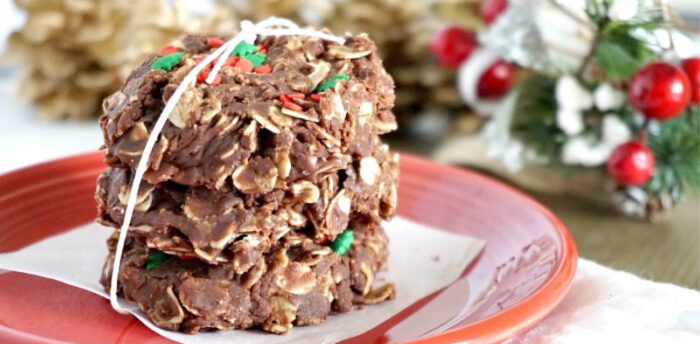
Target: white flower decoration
[(582, 150), (570, 121), (607, 97), (615, 132), (571, 95), (572, 99), (623, 10), (588, 151)]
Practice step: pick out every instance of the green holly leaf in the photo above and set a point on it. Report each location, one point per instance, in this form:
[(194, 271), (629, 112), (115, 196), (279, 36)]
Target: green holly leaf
[(167, 62), (155, 259), (330, 83), (244, 49), (616, 61), (342, 242), (256, 59)]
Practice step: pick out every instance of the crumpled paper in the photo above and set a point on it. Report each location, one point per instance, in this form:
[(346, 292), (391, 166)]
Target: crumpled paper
[(422, 260)]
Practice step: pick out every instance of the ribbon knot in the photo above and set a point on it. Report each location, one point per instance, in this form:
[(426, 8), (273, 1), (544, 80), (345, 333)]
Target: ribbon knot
[(248, 33)]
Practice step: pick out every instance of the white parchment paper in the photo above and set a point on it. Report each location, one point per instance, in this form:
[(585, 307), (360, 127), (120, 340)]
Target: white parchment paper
[(422, 261)]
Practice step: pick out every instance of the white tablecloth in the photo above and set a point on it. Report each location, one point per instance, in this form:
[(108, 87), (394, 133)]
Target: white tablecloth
[(603, 306)]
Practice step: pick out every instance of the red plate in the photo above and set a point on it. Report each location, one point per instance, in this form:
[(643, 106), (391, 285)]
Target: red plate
[(524, 271)]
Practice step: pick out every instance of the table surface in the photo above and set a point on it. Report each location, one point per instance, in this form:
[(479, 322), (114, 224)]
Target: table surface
[(666, 250)]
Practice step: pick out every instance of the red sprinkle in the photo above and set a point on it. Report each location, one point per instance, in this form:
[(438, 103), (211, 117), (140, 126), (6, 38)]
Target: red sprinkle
[(199, 59), (284, 98), (231, 61), (215, 42), (168, 49), (204, 74), (263, 69), (296, 95), (261, 49), (244, 65), (292, 106), (315, 97)]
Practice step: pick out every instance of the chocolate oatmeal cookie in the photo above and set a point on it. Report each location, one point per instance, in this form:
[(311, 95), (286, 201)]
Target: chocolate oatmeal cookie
[(298, 282), (263, 199)]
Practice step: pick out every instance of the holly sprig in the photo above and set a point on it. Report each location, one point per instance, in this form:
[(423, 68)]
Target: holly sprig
[(675, 143)]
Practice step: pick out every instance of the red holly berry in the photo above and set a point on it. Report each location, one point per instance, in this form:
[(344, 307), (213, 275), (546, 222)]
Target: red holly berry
[(659, 91), (692, 68), (451, 45), (491, 9), (496, 80), (631, 163)]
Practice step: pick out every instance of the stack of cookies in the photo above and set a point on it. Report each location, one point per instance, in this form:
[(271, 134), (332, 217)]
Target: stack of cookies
[(263, 199)]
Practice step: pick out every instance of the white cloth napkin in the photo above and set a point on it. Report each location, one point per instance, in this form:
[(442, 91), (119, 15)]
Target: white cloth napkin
[(609, 306), (603, 306)]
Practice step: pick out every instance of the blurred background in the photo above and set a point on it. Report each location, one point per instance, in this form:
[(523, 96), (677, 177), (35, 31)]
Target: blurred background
[(480, 84)]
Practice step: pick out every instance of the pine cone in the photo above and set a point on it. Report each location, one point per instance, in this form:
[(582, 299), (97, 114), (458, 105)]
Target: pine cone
[(76, 52)]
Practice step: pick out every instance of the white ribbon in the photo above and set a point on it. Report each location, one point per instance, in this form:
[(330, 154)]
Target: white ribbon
[(249, 33)]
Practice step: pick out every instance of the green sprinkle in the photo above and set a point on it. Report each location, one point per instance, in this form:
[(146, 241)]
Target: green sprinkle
[(330, 83), (342, 242), (256, 59), (155, 259), (244, 49), (167, 62)]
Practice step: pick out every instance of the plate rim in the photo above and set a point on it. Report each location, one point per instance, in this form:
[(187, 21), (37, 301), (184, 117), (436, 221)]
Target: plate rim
[(517, 318), (533, 308)]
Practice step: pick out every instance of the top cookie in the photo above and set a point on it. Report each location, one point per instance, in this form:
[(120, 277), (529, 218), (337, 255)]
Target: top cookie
[(283, 110)]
